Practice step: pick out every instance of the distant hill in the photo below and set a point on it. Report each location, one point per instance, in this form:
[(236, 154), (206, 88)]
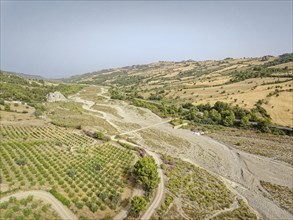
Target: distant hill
[(15, 87), (27, 76)]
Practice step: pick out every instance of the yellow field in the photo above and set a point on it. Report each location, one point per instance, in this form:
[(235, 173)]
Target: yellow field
[(245, 94)]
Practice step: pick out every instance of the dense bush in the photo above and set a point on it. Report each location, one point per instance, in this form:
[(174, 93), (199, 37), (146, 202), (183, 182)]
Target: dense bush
[(146, 173), (99, 135), (116, 94), (284, 58), (138, 204), (220, 113), (141, 103)]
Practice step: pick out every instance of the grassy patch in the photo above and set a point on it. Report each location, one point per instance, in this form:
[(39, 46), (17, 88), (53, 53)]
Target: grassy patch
[(242, 212), (107, 109), (196, 192), (160, 139), (70, 114), (275, 146)]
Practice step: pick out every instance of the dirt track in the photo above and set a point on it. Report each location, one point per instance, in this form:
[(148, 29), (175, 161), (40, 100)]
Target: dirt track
[(62, 210), (243, 171)]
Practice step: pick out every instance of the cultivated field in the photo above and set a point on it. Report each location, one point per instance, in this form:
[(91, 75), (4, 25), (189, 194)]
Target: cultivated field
[(88, 177), (26, 208)]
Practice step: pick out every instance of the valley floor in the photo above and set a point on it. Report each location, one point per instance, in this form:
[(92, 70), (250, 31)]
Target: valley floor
[(241, 171), (249, 170)]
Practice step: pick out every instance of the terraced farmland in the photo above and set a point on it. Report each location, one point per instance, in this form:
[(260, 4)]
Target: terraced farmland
[(43, 132), (87, 177)]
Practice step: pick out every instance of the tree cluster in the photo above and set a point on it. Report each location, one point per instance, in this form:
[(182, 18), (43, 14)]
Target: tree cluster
[(146, 173)]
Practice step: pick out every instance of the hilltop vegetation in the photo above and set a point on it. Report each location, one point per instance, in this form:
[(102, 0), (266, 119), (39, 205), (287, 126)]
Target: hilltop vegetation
[(32, 92)]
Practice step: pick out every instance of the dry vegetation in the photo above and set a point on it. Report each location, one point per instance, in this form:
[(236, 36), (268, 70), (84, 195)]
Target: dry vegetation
[(281, 194), (70, 114), (193, 193), (278, 147), (159, 139), (18, 112), (107, 109), (209, 81), (90, 93), (242, 212)]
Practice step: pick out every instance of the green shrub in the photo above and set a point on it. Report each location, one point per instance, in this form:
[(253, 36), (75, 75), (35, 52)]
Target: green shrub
[(15, 208), (99, 135), (138, 204), (79, 205), (60, 197), (21, 217), (27, 212), (7, 107), (8, 213), (4, 205)]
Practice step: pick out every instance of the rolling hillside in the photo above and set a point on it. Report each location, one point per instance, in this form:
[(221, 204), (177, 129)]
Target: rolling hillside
[(240, 82)]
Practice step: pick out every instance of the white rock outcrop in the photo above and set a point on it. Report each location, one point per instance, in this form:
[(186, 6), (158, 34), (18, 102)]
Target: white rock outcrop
[(55, 97)]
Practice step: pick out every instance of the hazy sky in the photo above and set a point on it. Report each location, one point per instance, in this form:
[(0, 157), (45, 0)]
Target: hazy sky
[(62, 38)]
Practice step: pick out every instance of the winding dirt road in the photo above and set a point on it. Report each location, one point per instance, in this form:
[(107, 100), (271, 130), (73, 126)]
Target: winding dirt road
[(62, 210)]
